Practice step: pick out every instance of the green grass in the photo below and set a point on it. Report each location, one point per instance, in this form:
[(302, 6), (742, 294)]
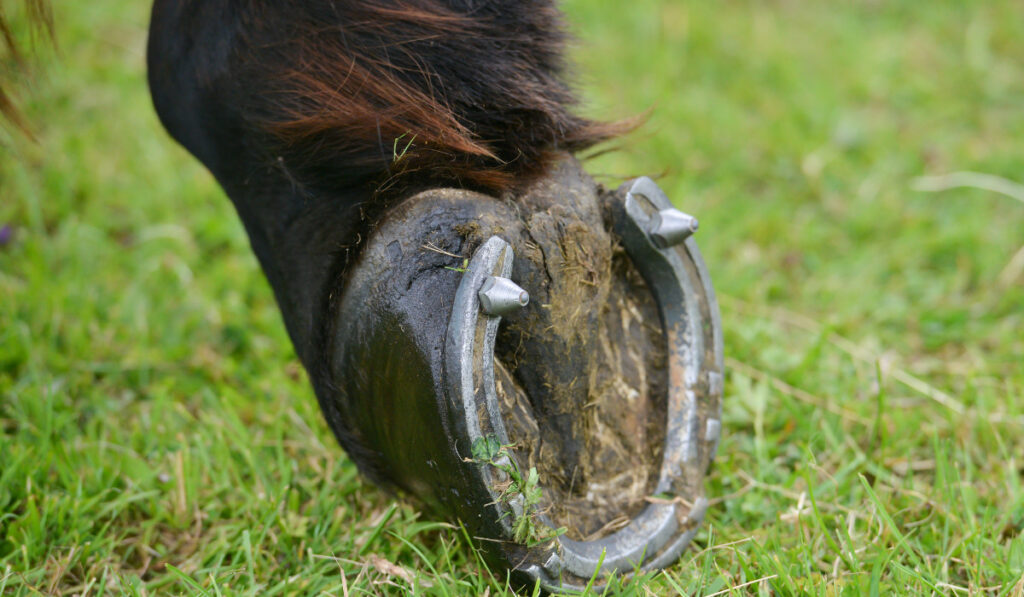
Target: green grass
[(157, 434)]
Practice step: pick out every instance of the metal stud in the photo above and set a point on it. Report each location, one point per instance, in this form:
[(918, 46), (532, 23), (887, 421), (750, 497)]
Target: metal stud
[(713, 430), (669, 227), (501, 296)]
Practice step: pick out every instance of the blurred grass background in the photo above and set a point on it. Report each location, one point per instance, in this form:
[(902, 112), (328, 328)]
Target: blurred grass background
[(157, 434)]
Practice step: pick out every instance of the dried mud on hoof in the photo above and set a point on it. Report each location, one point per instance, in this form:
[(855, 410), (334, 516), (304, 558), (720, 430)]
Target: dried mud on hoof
[(581, 371)]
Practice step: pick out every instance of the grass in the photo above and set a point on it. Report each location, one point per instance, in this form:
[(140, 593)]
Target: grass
[(157, 434)]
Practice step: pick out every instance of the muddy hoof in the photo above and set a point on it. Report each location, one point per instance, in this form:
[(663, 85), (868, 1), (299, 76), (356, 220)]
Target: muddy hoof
[(545, 369)]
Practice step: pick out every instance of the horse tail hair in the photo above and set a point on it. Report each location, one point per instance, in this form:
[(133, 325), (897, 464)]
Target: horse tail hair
[(39, 17)]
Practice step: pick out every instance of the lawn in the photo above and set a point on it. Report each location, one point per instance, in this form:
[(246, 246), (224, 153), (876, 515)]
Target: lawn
[(158, 435)]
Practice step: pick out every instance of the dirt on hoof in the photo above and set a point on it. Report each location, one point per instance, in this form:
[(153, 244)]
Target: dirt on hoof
[(582, 371)]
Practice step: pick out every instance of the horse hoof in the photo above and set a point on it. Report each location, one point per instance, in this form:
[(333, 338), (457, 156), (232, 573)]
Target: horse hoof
[(546, 370)]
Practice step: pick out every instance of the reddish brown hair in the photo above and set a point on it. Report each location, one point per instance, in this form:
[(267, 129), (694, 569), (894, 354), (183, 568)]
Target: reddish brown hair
[(454, 92)]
